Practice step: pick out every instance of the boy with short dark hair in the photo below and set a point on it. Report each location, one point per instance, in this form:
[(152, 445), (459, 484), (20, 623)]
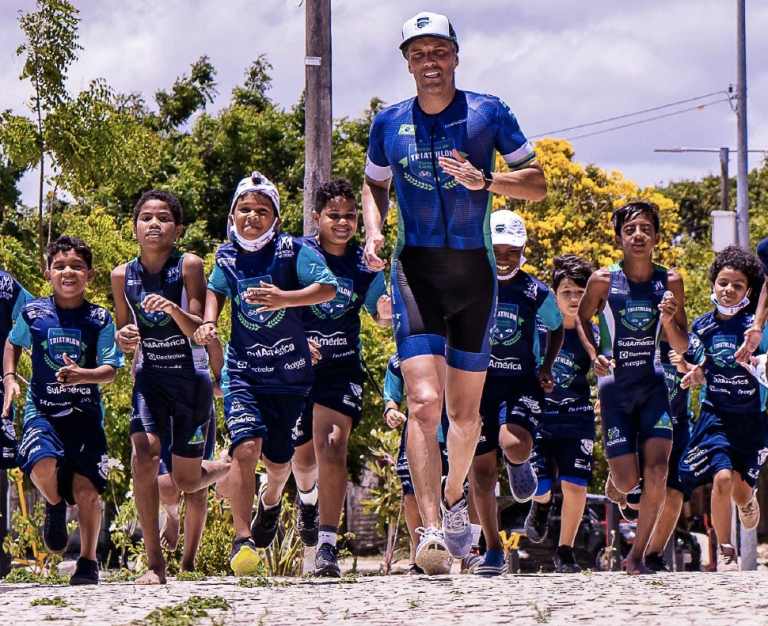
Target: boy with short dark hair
[(63, 448)]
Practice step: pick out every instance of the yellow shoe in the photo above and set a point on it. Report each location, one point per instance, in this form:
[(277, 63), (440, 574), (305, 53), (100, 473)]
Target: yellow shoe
[(244, 559)]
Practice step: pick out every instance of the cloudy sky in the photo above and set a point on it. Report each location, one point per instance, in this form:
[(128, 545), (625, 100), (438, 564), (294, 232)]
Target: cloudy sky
[(558, 63)]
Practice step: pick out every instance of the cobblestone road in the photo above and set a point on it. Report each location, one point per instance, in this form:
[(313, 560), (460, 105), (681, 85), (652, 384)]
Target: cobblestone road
[(604, 598)]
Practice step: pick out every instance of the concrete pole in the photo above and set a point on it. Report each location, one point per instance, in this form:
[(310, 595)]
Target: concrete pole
[(724, 195), (742, 191)]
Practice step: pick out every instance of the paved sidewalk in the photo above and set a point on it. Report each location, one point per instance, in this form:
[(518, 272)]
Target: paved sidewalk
[(598, 598)]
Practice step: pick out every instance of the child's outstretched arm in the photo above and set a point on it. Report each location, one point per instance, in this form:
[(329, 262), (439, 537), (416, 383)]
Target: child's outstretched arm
[(11, 356)]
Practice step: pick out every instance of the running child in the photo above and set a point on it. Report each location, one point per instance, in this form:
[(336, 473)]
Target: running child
[(12, 298), (513, 396), (566, 431), (267, 276), (159, 299), (335, 403), (729, 443), (636, 299), (63, 447)]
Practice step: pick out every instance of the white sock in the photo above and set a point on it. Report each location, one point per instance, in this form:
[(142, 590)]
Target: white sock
[(476, 530), (326, 536), (309, 497), (266, 506)]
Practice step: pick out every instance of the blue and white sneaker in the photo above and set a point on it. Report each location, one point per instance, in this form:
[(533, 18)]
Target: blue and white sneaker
[(432, 554), (492, 563), (457, 529), (522, 480)]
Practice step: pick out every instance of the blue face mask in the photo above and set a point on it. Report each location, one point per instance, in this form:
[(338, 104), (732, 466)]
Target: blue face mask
[(728, 310)]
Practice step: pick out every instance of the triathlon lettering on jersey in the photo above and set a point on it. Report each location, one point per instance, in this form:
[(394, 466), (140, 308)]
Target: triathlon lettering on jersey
[(629, 324), (434, 210), (514, 336), (268, 350), (679, 398), (729, 387), (86, 335), (163, 344), (335, 325)]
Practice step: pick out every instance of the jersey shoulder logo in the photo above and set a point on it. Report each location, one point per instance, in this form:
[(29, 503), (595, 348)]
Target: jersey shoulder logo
[(173, 274), (284, 246)]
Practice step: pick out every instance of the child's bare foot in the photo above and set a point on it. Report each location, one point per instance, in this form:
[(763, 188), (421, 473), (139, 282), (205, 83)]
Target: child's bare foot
[(222, 485), (152, 577), (636, 567), (169, 533), (613, 494)]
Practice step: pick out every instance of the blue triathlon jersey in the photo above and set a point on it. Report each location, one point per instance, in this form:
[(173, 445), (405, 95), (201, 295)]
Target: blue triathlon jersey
[(268, 350), (629, 325), (434, 210), (12, 298), (335, 324), (729, 388), (86, 335), (164, 347), (514, 337), (679, 398)]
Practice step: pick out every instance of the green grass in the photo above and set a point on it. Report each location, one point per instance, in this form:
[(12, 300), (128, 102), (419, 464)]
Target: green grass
[(187, 613), (55, 601)]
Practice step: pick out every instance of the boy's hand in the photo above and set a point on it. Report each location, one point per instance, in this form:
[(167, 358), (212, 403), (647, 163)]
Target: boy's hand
[(12, 390), (384, 308), (154, 302), (269, 296), (668, 307), (603, 365), (675, 358), (752, 337), (545, 379), (127, 338), (314, 351), (394, 418), (693, 378), (71, 374), (205, 334)]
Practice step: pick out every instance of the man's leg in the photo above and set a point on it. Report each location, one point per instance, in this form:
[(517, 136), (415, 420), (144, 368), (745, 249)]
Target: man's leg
[(170, 501), (195, 512), (667, 523), (145, 461), (88, 515)]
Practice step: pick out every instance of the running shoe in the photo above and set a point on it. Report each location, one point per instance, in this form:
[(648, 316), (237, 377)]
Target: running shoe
[(565, 561), (264, 525), (537, 522), (750, 514), (244, 559), (522, 480), (414, 570), (656, 561), (308, 522), (327, 561), (432, 554), (727, 559), (457, 529), (86, 572), (55, 527), (492, 563), (469, 562)]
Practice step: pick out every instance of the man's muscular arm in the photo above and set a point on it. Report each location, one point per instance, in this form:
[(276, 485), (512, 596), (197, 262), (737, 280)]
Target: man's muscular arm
[(375, 209)]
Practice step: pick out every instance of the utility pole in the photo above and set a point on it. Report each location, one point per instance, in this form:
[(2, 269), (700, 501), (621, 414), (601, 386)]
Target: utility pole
[(318, 111), (742, 191), (724, 199)]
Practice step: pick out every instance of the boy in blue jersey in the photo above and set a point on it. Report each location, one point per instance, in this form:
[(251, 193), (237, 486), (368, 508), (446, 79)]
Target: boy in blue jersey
[(729, 443), (513, 397), (439, 149), (636, 299), (335, 403), (566, 431), (268, 277), (12, 298), (159, 300), (63, 448)]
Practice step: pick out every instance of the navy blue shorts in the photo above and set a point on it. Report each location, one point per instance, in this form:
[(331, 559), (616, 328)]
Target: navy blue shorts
[(183, 401), (402, 468), (632, 415), (166, 456), (566, 458), (271, 417), (8, 445), (337, 388), (76, 441), (514, 400), (738, 442)]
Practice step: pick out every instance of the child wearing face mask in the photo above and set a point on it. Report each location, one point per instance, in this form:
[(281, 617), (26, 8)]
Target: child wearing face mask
[(729, 443)]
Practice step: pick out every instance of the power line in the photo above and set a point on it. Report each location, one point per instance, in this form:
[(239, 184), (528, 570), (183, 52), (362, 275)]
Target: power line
[(626, 115)]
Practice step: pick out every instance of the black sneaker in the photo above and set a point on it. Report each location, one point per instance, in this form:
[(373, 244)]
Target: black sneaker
[(308, 522), (264, 525), (86, 572), (565, 561), (656, 562), (55, 527), (327, 561), (537, 522)]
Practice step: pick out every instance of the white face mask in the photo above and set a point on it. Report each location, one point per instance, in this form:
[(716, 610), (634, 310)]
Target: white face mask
[(253, 245), (514, 272), (728, 310)]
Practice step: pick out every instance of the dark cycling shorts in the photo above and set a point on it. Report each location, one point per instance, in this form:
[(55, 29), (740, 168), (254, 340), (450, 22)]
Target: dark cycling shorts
[(444, 303), (166, 456), (568, 459), (514, 400)]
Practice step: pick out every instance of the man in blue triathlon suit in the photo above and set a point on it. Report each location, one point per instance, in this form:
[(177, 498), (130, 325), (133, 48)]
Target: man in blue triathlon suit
[(636, 299), (439, 148)]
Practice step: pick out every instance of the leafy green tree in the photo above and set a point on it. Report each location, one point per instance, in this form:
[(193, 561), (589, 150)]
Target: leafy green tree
[(188, 94)]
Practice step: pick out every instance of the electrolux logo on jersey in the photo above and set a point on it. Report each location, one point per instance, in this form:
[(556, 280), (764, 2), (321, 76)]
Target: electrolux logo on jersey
[(243, 365)]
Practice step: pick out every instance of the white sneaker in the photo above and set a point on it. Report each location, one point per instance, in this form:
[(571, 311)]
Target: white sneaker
[(432, 554), (457, 529), (750, 514)]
